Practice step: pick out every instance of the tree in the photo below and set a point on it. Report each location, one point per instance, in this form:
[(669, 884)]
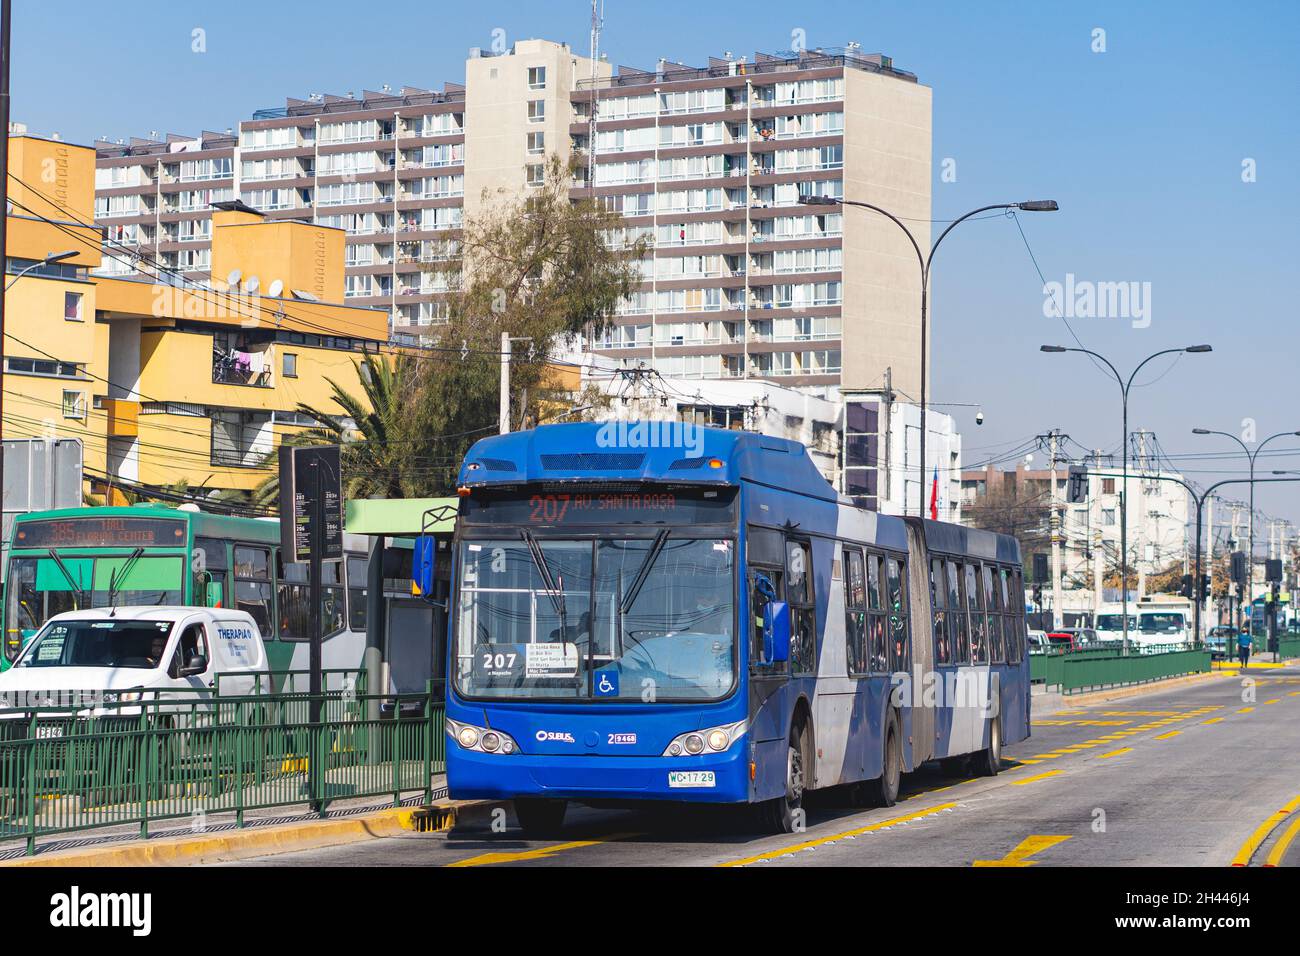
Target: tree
[(1008, 508)]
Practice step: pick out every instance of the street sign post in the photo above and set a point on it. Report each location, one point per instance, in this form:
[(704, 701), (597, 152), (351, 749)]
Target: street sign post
[(311, 530)]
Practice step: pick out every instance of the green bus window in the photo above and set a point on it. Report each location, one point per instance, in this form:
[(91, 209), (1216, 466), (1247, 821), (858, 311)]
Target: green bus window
[(253, 585), (358, 578)]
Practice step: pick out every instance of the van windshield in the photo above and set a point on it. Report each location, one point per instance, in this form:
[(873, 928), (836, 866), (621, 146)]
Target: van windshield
[(1163, 623), (137, 644)]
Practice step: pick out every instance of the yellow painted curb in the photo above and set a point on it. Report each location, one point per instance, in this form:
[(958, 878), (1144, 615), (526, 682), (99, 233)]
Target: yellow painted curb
[(281, 838)]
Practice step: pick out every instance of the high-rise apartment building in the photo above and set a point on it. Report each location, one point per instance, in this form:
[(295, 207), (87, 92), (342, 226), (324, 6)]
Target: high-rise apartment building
[(742, 280)]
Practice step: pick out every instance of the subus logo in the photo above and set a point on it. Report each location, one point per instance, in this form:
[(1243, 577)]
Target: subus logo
[(76, 909), (563, 736)]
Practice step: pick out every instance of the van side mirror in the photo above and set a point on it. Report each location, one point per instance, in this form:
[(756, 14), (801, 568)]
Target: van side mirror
[(776, 632), (423, 563), (195, 664)]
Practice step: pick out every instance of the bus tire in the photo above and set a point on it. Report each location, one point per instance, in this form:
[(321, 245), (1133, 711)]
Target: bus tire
[(540, 817), (783, 814), (883, 791), (988, 761)]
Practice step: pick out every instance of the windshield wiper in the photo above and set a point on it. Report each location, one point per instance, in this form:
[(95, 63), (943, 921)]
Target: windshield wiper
[(76, 588), (643, 573), (116, 579), (552, 591)]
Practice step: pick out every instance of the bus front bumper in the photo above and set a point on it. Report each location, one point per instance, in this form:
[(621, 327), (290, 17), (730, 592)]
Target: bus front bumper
[(472, 775)]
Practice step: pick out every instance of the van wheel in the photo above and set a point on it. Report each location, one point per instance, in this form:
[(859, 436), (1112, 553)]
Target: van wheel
[(540, 818), (988, 762), (883, 791), (782, 813)]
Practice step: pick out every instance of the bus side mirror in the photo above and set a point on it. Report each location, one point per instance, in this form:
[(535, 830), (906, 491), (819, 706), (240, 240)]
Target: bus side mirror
[(423, 562), (776, 632)]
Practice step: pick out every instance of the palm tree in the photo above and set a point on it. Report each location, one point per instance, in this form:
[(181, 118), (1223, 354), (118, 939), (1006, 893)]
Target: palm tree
[(378, 453)]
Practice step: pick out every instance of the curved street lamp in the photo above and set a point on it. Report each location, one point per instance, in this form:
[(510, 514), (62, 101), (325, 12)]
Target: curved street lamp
[(924, 261), (1125, 386), (1250, 517)]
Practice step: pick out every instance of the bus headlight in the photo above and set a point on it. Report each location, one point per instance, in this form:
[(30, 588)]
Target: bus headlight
[(714, 740), (483, 739)]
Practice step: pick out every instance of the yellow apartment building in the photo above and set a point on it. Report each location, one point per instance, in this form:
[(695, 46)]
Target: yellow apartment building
[(164, 379)]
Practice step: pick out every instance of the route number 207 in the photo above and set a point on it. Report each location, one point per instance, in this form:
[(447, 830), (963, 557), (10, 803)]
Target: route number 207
[(499, 661), (547, 507)]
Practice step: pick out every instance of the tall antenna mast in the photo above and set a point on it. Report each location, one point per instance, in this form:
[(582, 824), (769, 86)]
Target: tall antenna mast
[(597, 21)]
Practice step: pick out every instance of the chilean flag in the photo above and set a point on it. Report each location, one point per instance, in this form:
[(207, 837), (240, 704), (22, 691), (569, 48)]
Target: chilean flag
[(934, 497)]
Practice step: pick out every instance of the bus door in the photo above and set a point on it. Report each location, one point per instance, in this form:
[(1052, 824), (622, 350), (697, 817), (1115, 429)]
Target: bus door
[(768, 684), (899, 634)]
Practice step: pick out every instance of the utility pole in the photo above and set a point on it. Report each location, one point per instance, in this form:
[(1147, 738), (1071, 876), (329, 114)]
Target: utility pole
[(6, 11), (1054, 446), (504, 412)]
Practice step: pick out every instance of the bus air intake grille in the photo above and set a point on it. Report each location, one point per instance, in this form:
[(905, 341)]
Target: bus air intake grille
[(682, 464), (497, 464), (593, 461)]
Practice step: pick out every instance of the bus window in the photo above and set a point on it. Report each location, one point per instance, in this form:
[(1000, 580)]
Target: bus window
[(1015, 617), (900, 648), (253, 585), (210, 568), (1008, 615), (876, 624), (757, 604), (293, 593), (956, 605), (855, 597), (358, 577), (979, 646), (942, 646), (993, 604), (800, 597)]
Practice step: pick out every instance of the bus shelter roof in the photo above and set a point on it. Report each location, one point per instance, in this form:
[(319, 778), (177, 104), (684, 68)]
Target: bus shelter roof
[(400, 517)]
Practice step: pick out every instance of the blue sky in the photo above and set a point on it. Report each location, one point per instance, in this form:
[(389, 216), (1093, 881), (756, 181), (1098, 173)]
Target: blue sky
[(1143, 146)]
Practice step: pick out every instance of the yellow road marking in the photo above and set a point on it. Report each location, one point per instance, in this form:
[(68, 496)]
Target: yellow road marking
[(1245, 710), (1273, 701), (1280, 848), (1115, 753), (906, 818), (1261, 833), (1025, 849), (487, 859), (1172, 733), (1212, 720), (1041, 776)]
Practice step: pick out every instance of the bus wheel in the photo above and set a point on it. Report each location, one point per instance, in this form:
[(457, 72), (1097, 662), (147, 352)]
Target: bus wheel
[(988, 762), (540, 817), (883, 791), (783, 812)]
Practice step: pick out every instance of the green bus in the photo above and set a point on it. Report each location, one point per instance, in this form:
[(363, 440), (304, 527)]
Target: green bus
[(76, 558)]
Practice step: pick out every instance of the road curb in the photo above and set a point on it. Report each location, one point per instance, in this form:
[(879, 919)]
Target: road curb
[(281, 838), (1048, 704)]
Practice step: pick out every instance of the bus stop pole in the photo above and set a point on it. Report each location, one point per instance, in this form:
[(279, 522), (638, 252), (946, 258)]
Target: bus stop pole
[(316, 732)]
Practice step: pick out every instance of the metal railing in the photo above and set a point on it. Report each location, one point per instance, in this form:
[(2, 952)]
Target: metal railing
[(187, 755), (1096, 667)]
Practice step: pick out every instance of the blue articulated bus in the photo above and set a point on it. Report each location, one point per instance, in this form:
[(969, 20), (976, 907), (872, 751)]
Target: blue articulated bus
[(659, 612)]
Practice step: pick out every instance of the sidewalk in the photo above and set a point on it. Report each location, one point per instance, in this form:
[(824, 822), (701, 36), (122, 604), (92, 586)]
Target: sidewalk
[(177, 843)]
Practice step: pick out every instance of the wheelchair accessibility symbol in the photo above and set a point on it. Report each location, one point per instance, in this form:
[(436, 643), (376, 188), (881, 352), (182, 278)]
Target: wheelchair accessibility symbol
[(606, 683)]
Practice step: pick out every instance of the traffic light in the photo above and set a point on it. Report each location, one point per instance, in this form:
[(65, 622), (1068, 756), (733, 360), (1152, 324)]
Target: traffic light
[(1205, 587), (1038, 594), (1185, 590), (1077, 489), (1040, 567), (1273, 570), (1239, 567)]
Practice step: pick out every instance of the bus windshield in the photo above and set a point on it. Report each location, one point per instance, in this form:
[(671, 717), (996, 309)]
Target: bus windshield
[(647, 618), (137, 644), (40, 587)]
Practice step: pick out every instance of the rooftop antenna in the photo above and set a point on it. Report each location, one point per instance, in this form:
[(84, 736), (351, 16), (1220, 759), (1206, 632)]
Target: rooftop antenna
[(597, 22)]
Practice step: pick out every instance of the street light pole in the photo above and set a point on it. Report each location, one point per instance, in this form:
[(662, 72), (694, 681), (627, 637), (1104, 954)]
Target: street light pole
[(1250, 516), (924, 261), (1124, 386)]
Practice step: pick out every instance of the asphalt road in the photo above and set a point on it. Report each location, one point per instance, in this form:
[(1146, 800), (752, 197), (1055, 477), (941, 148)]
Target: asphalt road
[(1192, 776)]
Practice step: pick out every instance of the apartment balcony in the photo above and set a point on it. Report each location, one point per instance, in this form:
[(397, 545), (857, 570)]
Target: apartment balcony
[(236, 367), (123, 417)]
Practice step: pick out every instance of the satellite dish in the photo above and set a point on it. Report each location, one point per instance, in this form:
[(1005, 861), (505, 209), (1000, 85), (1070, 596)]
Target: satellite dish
[(232, 280), (276, 288), (252, 284)]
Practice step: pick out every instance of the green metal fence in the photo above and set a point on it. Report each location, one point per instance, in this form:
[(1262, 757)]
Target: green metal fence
[(66, 769), (1088, 669)]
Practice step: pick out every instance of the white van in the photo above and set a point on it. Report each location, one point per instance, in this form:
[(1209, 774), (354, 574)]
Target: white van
[(132, 651)]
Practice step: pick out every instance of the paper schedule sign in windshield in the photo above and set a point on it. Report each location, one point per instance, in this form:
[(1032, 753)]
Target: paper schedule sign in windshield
[(497, 662)]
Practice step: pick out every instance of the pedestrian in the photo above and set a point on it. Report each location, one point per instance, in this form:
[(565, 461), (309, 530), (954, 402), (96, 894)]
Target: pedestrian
[(1243, 645)]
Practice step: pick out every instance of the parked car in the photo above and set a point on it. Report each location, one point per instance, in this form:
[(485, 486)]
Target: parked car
[(1061, 639), (1037, 640), (1082, 636)]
